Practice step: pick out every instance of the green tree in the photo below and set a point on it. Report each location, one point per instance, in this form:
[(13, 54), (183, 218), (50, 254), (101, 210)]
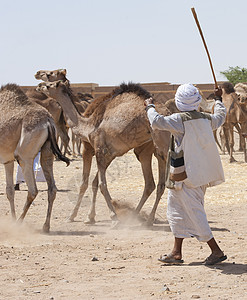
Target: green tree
[(235, 74)]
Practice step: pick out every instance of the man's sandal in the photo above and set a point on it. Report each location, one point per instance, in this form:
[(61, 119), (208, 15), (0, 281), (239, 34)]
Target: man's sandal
[(213, 259), (169, 259)]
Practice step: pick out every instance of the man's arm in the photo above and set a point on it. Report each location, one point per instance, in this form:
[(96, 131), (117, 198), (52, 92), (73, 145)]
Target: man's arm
[(219, 115), (172, 123)]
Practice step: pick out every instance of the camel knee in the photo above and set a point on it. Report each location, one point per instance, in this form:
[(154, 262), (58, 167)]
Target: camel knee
[(150, 188), (32, 194), (161, 188), (10, 192), (52, 192), (83, 186), (103, 188)]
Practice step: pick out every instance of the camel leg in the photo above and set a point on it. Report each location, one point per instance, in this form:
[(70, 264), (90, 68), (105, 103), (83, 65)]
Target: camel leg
[(244, 148), (231, 143), (27, 169), (10, 191), (92, 211), (144, 155), (78, 145), (240, 137), (62, 133), (25, 153), (87, 162), (216, 139), (243, 142), (160, 187), (46, 161), (73, 143), (102, 166), (223, 140)]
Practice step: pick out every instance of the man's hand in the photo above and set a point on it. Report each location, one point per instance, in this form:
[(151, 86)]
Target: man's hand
[(218, 92), (149, 101)]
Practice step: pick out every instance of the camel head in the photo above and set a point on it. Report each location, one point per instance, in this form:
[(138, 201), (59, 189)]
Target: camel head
[(51, 76), (51, 89)]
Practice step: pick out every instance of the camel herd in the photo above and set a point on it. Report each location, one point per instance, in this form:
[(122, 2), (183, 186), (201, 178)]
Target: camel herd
[(106, 127)]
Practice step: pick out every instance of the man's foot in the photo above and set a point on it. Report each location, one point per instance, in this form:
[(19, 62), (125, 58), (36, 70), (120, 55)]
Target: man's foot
[(214, 259), (17, 187), (170, 259)]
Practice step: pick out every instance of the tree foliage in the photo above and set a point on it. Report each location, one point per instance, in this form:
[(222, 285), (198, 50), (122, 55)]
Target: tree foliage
[(235, 74)]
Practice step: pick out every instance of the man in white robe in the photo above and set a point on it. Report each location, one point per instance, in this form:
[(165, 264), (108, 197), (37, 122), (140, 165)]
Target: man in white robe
[(193, 133)]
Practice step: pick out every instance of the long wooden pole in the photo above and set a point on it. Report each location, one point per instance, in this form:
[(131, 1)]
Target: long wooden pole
[(205, 45)]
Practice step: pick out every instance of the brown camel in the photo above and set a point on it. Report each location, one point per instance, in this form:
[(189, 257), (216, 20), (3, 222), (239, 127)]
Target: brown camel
[(25, 129), (52, 105), (81, 101), (45, 75), (111, 126), (236, 116)]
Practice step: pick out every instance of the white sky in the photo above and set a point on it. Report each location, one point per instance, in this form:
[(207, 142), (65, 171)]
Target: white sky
[(111, 41)]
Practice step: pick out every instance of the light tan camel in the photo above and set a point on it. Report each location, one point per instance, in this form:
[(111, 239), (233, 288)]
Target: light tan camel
[(236, 116), (111, 126), (26, 127)]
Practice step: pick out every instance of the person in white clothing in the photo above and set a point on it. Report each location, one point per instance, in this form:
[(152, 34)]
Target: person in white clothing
[(38, 173), (195, 166)]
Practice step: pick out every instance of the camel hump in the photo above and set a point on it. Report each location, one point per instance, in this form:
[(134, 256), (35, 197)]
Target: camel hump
[(18, 94), (131, 88), (99, 104), (54, 147), (228, 87)]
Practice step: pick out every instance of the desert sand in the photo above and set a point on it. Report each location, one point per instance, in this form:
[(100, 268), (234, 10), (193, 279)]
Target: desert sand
[(79, 261)]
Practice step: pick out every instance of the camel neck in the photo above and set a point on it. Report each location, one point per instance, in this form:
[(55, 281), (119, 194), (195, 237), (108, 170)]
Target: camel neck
[(75, 121)]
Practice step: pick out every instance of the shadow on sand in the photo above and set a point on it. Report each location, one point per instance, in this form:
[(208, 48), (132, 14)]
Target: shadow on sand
[(74, 233)]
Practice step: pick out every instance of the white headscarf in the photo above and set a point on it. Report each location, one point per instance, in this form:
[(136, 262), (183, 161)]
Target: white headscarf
[(187, 97)]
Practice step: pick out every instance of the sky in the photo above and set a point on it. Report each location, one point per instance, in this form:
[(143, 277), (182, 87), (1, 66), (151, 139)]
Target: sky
[(113, 41)]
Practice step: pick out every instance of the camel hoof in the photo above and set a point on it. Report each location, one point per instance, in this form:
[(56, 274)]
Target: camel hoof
[(90, 221), (116, 224), (149, 223), (113, 216), (70, 219), (232, 160), (46, 229)]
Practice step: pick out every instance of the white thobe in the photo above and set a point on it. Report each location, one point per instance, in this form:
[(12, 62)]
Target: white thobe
[(185, 208)]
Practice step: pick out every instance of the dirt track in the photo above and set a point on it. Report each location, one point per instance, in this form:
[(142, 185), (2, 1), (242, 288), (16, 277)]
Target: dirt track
[(78, 261)]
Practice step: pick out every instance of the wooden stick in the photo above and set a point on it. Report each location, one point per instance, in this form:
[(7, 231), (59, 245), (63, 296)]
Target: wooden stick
[(205, 45)]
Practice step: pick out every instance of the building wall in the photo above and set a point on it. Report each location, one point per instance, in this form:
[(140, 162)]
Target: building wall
[(161, 90)]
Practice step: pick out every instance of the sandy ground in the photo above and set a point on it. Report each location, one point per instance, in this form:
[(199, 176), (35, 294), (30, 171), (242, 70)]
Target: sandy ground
[(78, 261)]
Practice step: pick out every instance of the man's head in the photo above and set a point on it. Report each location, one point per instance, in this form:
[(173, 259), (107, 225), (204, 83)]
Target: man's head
[(187, 97)]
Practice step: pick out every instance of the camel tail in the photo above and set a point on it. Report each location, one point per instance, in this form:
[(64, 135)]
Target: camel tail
[(54, 146)]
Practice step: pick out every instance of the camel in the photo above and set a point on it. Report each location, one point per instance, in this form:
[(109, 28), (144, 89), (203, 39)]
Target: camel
[(81, 101), (110, 127), (236, 116), (25, 128), (46, 75), (51, 105), (84, 99), (57, 114)]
